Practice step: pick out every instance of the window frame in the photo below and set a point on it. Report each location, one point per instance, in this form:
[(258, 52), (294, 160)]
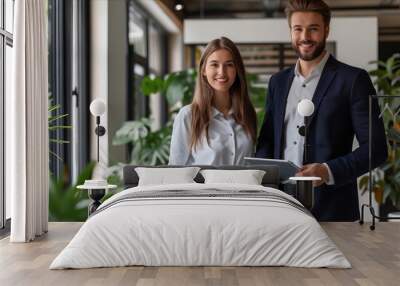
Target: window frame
[(61, 63), (134, 58)]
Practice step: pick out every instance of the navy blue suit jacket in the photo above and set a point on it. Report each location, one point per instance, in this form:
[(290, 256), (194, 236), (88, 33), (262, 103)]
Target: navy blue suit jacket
[(341, 112)]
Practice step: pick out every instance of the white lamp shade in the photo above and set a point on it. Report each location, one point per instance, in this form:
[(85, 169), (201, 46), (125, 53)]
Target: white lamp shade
[(305, 107), (97, 107)]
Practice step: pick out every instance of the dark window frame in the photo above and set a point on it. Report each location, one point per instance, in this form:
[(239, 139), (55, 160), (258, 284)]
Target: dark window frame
[(60, 35), (83, 87), (144, 61), (60, 81)]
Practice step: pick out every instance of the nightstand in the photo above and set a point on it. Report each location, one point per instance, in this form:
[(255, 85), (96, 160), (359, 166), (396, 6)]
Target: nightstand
[(96, 193)]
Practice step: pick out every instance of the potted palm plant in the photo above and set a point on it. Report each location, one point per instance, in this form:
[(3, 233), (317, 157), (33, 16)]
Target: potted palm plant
[(386, 178)]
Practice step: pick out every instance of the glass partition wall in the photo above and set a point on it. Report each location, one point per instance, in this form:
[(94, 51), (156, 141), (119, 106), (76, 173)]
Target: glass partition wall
[(147, 57)]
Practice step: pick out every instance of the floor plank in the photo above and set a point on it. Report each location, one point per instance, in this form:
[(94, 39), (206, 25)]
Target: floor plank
[(374, 255)]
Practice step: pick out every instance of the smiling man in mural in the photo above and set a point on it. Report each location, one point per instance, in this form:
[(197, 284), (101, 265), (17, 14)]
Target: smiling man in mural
[(340, 94)]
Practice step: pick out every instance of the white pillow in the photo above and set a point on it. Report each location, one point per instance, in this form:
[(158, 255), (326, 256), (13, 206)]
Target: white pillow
[(248, 177), (164, 176)]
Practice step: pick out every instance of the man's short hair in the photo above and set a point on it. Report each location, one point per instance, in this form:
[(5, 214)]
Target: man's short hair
[(316, 6)]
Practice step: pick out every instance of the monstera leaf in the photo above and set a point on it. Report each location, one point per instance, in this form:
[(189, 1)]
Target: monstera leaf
[(149, 147)]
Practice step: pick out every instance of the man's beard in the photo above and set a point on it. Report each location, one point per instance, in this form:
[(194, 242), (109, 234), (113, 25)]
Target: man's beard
[(319, 49)]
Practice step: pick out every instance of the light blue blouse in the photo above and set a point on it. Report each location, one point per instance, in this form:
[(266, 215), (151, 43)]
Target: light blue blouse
[(228, 143)]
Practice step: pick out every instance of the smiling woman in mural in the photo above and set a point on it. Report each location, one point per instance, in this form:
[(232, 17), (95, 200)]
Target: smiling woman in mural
[(219, 127)]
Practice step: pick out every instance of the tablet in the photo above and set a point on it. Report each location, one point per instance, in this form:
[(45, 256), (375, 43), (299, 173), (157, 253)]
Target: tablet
[(287, 168)]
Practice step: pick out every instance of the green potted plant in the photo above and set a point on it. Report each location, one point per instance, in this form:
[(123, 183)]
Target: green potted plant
[(66, 202), (386, 183), (151, 147)]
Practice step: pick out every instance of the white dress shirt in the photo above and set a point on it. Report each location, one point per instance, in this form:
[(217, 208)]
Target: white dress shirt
[(302, 88), (228, 143)]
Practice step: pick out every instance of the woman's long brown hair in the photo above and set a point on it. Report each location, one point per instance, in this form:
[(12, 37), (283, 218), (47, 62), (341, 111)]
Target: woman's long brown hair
[(243, 111)]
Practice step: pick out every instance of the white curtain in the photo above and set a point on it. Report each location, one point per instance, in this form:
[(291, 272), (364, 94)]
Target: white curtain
[(27, 140)]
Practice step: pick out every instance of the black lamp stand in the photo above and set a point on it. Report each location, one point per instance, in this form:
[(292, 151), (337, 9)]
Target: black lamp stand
[(100, 131), (303, 131), (304, 189), (96, 195), (305, 193)]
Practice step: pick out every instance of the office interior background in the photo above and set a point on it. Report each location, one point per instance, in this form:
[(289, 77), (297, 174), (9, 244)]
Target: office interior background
[(140, 58)]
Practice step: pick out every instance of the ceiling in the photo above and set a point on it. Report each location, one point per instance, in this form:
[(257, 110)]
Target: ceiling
[(270, 8), (387, 11)]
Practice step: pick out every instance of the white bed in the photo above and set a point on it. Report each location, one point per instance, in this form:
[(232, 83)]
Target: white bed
[(249, 226)]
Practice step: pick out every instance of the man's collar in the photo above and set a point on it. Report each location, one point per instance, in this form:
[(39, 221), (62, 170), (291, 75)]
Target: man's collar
[(316, 71)]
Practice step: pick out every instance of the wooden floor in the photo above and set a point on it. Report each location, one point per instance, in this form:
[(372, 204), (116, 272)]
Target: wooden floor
[(374, 255)]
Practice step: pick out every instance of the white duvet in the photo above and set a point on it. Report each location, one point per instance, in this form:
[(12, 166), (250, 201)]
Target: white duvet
[(200, 231)]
